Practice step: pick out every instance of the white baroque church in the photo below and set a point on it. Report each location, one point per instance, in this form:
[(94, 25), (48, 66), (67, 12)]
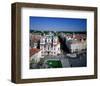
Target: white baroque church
[(49, 44)]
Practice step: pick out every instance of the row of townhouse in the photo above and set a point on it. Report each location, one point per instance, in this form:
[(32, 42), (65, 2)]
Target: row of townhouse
[(76, 46), (76, 43)]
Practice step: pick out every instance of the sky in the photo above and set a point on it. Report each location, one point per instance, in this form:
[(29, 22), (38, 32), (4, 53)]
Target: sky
[(57, 24)]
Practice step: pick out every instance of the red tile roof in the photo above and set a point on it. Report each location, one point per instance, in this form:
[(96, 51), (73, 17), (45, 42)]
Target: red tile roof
[(34, 51)]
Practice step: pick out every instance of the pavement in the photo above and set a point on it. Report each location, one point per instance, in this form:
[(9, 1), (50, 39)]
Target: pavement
[(78, 61)]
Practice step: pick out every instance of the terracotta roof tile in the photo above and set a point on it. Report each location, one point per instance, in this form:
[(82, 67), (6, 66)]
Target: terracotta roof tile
[(34, 51)]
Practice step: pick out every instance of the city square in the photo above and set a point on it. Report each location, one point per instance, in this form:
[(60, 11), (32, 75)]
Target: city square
[(57, 48)]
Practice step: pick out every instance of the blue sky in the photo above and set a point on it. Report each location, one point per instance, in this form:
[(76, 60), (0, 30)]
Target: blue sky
[(57, 24)]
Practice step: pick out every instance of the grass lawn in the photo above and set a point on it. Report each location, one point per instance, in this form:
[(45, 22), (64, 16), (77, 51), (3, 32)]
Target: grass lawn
[(54, 64)]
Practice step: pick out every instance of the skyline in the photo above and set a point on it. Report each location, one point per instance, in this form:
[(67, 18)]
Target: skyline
[(57, 24)]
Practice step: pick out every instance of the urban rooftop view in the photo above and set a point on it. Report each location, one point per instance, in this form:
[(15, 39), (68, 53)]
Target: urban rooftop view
[(57, 49), (53, 47)]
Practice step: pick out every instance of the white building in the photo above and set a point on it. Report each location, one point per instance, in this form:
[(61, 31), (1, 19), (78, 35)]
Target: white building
[(49, 45), (76, 42), (76, 46), (35, 54)]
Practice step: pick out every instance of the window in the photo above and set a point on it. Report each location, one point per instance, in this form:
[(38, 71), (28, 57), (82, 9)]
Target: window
[(54, 48), (58, 49)]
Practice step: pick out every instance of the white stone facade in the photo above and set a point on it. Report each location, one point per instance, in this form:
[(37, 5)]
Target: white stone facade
[(49, 45), (78, 46)]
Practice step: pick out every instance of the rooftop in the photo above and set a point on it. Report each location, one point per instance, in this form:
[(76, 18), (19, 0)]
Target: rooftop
[(34, 51)]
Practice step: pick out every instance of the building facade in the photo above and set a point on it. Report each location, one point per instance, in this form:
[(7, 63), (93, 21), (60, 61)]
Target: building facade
[(76, 43), (77, 46), (35, 54), (49, 45), (44, 45)]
